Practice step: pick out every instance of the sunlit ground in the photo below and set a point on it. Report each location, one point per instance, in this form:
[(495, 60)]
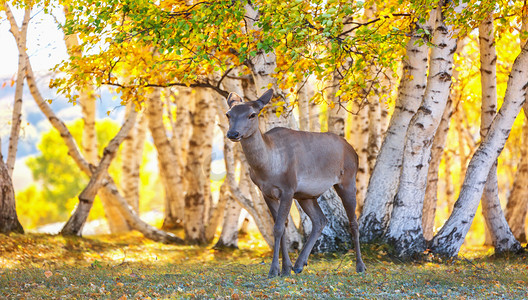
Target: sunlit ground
[(112, 267)]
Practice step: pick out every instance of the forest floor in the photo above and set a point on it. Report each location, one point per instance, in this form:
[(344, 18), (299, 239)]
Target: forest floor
[(36, 266)]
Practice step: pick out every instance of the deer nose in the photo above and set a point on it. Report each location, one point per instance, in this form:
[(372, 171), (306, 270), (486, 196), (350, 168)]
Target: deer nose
[(233, 135)]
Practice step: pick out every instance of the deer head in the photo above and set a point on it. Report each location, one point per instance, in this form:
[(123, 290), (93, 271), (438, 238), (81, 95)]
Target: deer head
[(243, 116)]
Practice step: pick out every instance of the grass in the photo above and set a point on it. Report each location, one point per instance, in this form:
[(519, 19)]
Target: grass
[(131, 267)]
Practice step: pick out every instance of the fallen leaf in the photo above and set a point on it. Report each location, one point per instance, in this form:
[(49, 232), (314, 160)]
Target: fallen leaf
[(48, 274)]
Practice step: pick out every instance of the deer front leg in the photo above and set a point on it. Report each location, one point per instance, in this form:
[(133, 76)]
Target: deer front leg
[(312, 209), (280, 213)]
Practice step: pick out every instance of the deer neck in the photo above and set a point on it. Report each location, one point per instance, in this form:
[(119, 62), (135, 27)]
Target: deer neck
[(256, 150)]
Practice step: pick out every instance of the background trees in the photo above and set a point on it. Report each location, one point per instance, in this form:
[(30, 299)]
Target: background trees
[(335, 66)]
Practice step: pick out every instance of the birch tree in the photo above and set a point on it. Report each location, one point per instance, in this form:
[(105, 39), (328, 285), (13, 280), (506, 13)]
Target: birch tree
[(517, 205), (77, 220), (451, 236), (8, 216), (501, 235), (385, 176), (166, 158), (195, 174), (405, 230), (21, 36), (87, 99), (437, 151), (132, 152), (73, 150)]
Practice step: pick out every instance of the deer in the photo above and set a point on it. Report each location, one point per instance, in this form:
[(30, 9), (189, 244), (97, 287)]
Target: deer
[(286, 164)]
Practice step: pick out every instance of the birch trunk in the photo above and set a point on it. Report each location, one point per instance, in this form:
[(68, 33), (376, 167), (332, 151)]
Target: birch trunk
[(374, 131), (431, 190), (8, 216), (517, 205), (181, 133), (385, 176), (336, 115), (229, 236), (437, 150), (76, 222), (256, 208), (501, 235), (21, 36), (360, 142), (108, 185), (374, 107), (166, 158), (195, 171), (449, 239), (132, 155), (129, 163), (304, 96), (87, 99), (405, 230)]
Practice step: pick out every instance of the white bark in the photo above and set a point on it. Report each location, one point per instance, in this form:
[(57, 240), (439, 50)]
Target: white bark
[(133, 152), (385, 176), (374, 131), (196, 171), (131, 157), (338, 114), (437, 150), (448, 241), (77, 220), (20, 35), (305, 93), (517, 205), (431, 190), (501, 235), (229, 236), (360, 142), (166, 159), (405, 230)]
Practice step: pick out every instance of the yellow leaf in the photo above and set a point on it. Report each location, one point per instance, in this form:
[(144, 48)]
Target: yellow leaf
[(49, 101), (289, 36), (339, 93)]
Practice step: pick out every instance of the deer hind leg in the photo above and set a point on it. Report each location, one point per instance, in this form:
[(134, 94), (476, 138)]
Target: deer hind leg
[(274, 207), (312, 209), (347, 193)]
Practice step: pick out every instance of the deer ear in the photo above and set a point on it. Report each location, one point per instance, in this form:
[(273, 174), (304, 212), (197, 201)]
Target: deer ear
[(234, 99), (265, 98)]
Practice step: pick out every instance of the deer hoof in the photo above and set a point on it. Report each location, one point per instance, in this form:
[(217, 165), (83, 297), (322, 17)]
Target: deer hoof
[(286, 271), (274, 272)]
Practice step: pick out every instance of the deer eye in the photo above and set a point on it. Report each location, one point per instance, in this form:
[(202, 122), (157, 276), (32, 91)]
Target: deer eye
[(228, 116), (252, 115)]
